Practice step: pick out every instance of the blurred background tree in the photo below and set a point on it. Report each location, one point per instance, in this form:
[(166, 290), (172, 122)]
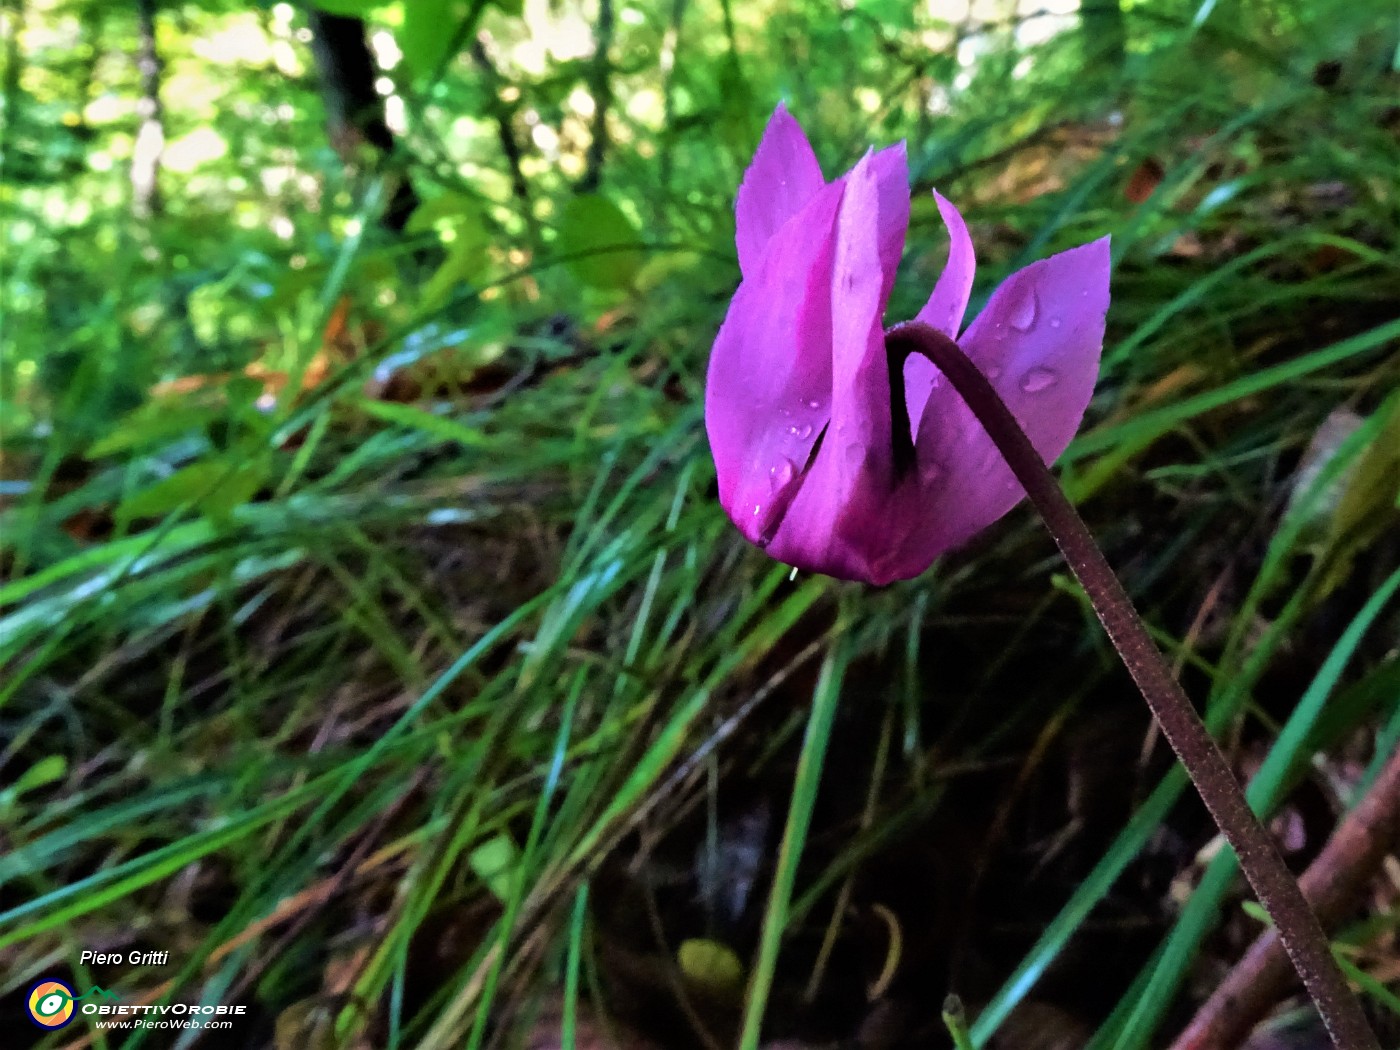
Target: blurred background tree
[(366, 601)]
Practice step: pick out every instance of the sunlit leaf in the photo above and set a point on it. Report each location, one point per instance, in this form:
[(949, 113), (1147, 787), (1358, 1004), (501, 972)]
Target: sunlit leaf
[(430, 30), (349, 8), (443, 212), (599, 241), (214, 486), (711, 965), (235, 490), (494, 863), (153, 423), (461, 223), (47, 770)]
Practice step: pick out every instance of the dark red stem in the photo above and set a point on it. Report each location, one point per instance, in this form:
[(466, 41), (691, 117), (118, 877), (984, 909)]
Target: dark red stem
[(1278, 891)]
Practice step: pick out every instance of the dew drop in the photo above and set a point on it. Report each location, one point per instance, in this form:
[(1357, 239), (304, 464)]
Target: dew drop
[(781, 473), (814, 403), (1054, 322), (802, 433), (1024, 316), (929, 472), (1038, 379), (992, 372), (756, 508)]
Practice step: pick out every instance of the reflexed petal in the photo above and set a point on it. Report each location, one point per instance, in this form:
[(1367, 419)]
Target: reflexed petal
[(1038, 341), (944, 309), (768, 389), (946, 306), (844, 521), (783, 177)]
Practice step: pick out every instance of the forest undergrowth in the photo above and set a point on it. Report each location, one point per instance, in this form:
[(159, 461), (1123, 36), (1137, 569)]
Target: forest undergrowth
[(375, 644)]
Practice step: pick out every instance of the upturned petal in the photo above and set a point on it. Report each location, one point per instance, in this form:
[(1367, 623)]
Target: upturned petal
[(783, 177), (1038, 341), (945, 307), (769, 385)]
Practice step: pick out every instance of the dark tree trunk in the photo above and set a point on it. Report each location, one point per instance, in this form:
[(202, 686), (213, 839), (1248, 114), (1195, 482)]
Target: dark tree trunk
[(600, 86), (150, 136), (354, 109)]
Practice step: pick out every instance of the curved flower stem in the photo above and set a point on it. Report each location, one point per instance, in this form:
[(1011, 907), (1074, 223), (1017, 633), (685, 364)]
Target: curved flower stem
[(1299, 931)]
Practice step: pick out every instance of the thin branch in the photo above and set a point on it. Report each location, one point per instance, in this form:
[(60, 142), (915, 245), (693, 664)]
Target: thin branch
[(1299, 929), (670, 56), (150, 136), (503, 113), (600, 87)]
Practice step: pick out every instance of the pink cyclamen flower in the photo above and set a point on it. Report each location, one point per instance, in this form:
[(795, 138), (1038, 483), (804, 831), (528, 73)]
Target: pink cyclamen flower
[(800, 402)]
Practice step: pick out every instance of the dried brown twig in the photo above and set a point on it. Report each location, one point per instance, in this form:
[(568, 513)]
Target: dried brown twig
[(1331, 884)]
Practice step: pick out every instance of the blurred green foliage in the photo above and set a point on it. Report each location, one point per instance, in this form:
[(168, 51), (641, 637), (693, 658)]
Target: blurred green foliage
[(376, 569)]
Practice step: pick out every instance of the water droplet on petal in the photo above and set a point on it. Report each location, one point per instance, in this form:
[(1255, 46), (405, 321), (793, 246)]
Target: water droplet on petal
[(756, 508), (1023, 317), (1054, 322), (781, 473), (804, 431), (992, 372), (814, 403), (929, 472), (1038, 379)]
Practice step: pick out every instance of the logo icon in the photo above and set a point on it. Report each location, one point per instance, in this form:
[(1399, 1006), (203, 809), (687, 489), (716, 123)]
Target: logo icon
[(50, 1004)]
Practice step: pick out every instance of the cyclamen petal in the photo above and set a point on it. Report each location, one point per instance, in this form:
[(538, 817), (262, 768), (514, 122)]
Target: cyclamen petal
[(782, 179), (818, 461), (889, 170), (826, 528), (946, 306), (944, 309), (768, 389)]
